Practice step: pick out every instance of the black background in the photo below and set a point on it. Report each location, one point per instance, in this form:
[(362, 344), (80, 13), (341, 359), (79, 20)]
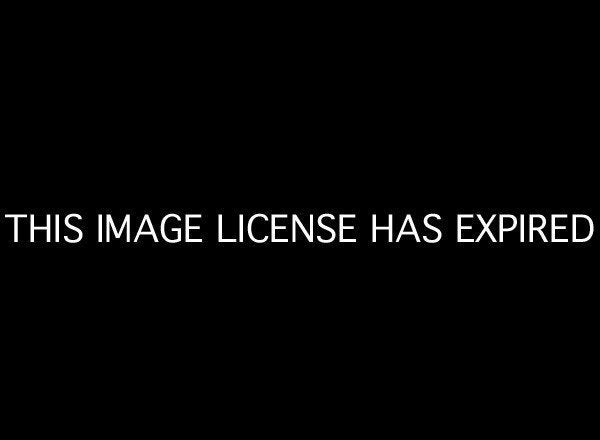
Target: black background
[(386, 112)]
